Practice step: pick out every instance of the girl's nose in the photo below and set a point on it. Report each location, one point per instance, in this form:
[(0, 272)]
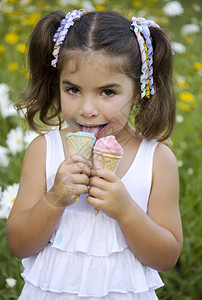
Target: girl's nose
[(88, 108)]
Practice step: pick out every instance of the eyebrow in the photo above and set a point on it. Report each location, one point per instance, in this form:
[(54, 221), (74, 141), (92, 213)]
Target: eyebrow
[(107, 86), (69, 83)]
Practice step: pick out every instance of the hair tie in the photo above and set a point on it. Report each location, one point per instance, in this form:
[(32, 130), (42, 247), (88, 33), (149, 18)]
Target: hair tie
[(62, 31), (140, 27)]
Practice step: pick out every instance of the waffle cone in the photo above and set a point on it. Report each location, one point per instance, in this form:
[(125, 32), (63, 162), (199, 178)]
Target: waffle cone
[(79, 143), (105, 160)]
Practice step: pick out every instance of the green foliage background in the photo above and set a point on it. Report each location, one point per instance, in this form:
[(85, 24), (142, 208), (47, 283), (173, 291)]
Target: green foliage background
[(184, 281)]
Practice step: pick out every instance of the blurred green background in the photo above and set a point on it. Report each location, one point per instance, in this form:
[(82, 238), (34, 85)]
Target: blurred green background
[(182, 20)]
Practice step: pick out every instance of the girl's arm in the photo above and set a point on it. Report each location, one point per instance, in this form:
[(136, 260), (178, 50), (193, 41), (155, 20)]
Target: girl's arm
[(155, 238), (33, 219)]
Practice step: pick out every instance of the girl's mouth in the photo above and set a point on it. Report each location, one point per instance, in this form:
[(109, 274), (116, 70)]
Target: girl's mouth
[(95, 129)]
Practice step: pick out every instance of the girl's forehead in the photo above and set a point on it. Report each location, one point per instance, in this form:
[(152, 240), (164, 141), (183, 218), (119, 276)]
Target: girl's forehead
[(105, 62)]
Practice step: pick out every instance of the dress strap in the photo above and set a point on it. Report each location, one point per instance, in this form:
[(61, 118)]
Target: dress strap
[(138, 179), (54, 156)]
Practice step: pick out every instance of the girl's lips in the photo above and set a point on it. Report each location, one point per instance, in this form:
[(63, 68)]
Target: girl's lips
[(95, 129)]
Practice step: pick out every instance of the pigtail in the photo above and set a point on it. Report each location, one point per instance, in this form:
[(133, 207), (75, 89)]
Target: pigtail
[(42, 93), (155, 117)]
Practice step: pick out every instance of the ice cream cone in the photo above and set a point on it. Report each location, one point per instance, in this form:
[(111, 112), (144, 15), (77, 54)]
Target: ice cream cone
[(80, 143), (108, 160)]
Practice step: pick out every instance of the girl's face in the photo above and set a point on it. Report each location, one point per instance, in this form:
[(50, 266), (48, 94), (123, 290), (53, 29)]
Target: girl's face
[(93, 97)]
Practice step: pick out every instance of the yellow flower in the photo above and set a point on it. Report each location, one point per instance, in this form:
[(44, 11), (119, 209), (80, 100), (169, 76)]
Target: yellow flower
[(10, 13), (187, 96), (198, 66), (2, 48), (137, 4), (12, 38), (100, 7), (24, 72), (184, 106), (13, 66), (188, 39), (182, 83), (163, 20), (31, 20), (21, 48)]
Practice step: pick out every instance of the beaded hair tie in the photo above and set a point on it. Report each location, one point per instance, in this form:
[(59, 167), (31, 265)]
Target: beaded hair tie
[(62, 31), (140, 27)]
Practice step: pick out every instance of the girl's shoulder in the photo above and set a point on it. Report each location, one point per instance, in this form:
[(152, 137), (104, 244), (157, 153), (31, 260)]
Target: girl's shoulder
[(36, 152), (164, 159)]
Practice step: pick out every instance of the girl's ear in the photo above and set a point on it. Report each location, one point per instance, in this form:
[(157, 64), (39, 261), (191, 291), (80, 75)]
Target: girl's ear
[(136, 99)]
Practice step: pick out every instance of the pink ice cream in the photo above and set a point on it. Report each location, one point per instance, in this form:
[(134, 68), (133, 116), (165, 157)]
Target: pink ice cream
[(108, 144)]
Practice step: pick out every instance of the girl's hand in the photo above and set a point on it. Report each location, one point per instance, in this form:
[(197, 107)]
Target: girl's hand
[(72, 179), (108, 193)]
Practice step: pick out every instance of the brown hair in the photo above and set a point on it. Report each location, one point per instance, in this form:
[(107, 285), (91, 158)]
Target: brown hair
[(110, 34)]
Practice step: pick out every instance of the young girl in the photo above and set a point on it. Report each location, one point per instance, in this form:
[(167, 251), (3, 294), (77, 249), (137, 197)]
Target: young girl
[(92, 69)]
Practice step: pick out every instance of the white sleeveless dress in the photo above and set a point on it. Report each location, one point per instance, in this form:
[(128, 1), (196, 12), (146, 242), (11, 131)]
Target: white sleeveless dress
[(87, 256)]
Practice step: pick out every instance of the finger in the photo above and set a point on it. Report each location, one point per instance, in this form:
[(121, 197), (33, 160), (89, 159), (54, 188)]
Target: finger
[(107, 175), (80, 179), (94, 202), (67, 180), (99, 182), (74, 168), (97, 192), (82, 189), (76, 158), (75, 190)]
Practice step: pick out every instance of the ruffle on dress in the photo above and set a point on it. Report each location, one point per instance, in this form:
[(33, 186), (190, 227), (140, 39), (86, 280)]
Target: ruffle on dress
[(94, 276), (87, 233), (30, 292), (89, 263)]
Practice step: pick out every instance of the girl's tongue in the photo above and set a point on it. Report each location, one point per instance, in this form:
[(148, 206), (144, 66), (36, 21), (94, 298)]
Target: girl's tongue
[(92, 129)]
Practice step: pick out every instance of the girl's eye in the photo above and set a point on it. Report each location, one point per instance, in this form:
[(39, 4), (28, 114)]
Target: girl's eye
[(73, 91), (108, 93)]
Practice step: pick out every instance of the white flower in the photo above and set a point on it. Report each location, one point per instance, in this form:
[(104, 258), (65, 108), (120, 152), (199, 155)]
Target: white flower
[(173, 8), (72, 2), (7, 199), (98, 2), (190, 171), (87, 5), (181, 78), (5, 7), (29, 137), (178, 47), (10, 282), (15, 140), (180, 163), (6, 106), (190, 28), (4, 161), (31, 8), (196, 7), (200, 73), (24, 2), (179, 119)]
